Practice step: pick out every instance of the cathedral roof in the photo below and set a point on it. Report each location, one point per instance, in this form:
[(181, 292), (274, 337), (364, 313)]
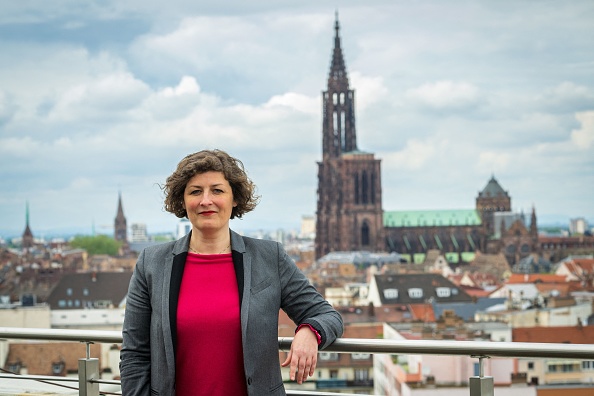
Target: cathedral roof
[(493, 189), (432, 218)]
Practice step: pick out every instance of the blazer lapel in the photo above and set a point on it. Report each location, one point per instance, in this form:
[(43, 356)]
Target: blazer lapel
[(173, 273), (243, 271)]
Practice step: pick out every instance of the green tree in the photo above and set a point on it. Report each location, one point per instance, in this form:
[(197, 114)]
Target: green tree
[(99, 244)]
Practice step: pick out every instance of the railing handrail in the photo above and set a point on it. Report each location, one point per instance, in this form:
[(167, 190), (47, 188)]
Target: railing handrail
[(350, 345)]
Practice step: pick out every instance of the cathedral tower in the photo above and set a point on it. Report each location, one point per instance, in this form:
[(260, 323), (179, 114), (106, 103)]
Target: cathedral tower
[(120, 224), (349, 210), (492, 199)]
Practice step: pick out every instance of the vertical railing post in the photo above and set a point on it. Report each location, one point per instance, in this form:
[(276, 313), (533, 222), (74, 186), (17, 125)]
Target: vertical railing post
[(88, 369), (481, 385)]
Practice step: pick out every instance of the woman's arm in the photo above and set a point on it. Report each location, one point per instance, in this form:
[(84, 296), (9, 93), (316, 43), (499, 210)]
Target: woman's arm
[(319, 324), (135, 356)]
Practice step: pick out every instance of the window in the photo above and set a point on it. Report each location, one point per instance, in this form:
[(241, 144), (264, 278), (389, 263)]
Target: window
[(365, 234), (85, 292), (329, 356), (442, 291), (333, 373), (390, 293), (530, 365), (415, 292), (360, 356), (69, 291), (361, 374), (62, 303)]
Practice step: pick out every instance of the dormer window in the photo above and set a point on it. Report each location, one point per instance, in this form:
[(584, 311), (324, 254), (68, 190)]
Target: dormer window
[(328, 356), (415, 292), (58, 367), (442, 291), (390, 293), (15, 367)]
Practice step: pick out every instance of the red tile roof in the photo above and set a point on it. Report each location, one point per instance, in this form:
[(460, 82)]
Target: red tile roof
[(557, 334)]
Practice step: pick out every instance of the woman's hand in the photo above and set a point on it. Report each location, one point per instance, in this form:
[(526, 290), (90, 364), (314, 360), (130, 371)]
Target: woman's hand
[(303, 355)]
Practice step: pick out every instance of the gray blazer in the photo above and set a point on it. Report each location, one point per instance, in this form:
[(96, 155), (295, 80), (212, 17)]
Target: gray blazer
[(268, 280)]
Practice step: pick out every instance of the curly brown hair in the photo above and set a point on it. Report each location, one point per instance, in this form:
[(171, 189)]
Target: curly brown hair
[(244, 190)]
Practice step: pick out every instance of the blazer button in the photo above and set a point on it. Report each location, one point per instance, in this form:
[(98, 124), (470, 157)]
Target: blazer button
[(249, 380)]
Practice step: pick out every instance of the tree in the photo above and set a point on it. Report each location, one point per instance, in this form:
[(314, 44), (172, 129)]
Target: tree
[(100, 244)]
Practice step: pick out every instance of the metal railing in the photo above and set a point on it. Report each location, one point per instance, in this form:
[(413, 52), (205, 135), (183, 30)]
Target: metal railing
[(89, 378)]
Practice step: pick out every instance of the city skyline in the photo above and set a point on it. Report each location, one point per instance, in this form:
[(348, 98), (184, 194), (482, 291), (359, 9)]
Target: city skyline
[(101, 99)]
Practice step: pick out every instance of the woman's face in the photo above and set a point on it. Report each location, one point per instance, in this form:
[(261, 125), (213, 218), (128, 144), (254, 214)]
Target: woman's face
[(208, 200)]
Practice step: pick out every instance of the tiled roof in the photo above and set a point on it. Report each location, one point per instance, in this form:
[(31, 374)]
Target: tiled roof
[(86, 290), (533, 278), (467, 310), (418, 288), (427, 218), (493, 189), (557, 334), (39, 357)]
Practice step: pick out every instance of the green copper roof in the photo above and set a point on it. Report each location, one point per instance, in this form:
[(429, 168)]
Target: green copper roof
[(431, 218)]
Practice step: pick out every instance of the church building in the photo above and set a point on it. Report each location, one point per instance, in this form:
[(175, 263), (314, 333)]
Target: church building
[(350, 216)]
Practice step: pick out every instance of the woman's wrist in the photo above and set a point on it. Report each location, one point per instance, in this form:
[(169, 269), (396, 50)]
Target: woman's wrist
[(308, 326)]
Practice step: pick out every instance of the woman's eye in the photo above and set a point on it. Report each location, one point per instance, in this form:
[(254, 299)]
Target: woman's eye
[(195, 192)]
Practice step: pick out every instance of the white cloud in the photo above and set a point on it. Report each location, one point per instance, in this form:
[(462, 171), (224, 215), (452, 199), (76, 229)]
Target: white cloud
[(370, 90), (105, 97), (445, 94), (584, 136)]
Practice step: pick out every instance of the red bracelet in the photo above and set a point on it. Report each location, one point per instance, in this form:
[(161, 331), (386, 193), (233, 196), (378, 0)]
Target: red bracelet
[(318, 336)]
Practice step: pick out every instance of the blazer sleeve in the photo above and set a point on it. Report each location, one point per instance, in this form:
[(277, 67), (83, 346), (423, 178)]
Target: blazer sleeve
[(304, 304), (135, 355)]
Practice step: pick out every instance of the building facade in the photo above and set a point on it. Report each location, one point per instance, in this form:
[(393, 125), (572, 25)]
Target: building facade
[(349, 210)]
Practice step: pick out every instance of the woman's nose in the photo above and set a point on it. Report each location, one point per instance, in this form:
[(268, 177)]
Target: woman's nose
[(206, 199)]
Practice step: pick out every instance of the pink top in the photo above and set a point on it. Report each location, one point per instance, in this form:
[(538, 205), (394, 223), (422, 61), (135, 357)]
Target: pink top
[(209, 357)]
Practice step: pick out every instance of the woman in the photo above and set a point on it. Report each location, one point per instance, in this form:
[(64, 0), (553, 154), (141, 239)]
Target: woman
[(202, 312)]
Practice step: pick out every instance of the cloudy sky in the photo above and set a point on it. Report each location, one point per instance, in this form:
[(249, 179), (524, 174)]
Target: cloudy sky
[(102, 97)]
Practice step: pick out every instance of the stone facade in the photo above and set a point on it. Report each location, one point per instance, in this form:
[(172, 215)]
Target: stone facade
[(349, 212)]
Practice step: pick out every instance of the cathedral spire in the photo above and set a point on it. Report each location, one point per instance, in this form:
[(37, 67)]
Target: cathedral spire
[(337, 67), (339, 134)]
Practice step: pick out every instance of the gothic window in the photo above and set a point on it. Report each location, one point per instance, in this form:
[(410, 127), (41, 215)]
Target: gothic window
[(365, 234), (364, 188), (335, 98), (343, 131), (372, 189), (356, 177)]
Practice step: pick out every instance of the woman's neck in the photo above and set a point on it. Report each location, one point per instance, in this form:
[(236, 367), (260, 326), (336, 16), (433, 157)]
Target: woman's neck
[(204, 243)]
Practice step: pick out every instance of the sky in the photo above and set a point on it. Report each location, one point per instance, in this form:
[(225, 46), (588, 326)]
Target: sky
[(101, 98)]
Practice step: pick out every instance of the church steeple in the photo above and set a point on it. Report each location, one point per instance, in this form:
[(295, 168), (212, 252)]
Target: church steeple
[(339, 135), (337, 67), (120, 224), (27, 234)]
